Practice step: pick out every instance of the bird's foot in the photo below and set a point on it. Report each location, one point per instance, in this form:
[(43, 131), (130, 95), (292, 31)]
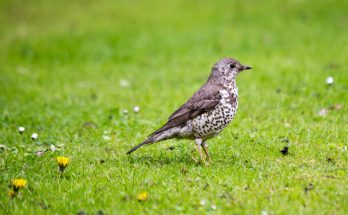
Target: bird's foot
[(195, 159), (200, 161), (206, 163)]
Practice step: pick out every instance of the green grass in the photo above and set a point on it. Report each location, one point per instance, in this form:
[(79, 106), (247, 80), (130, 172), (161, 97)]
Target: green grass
[(61, 65)]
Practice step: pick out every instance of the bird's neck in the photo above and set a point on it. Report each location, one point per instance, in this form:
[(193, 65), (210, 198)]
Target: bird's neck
[(228, 84), (231, 85)]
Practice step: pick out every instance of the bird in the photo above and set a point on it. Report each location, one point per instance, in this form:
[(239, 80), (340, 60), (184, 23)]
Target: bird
[(207, 112)]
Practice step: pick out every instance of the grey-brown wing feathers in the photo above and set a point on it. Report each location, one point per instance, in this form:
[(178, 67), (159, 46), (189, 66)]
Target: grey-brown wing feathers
[(202, 101)]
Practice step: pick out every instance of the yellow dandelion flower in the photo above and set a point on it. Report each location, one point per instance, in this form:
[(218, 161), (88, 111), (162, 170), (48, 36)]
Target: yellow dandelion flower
[(143, 196), (63, 162), (11, 193), (18, 183)]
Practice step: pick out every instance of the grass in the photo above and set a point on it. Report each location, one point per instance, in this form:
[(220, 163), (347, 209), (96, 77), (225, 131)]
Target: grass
[(61, 65)]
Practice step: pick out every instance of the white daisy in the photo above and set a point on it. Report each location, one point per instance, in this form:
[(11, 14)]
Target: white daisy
[(34, 136)]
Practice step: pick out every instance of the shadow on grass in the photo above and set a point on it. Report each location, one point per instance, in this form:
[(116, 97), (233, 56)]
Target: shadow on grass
[(161, 160), (164, 159)]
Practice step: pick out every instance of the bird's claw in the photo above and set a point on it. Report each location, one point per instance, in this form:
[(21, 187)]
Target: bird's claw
[(199, 161), (196, 160)]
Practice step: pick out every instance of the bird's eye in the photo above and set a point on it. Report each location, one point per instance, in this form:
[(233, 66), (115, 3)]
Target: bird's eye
[(231, 66)]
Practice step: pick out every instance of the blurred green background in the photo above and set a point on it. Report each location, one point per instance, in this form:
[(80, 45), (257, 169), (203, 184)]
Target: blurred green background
[(63, 67)]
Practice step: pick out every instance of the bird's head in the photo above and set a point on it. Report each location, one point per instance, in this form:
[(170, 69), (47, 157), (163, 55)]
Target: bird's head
[(226, 70)]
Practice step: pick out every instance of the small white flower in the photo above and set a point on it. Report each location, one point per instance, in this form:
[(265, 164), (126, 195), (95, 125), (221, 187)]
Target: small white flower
[(288, 125), (264, 212), (136, 109), (106, 137), (323, 112), (3, 147), (53, 148), (124, 83), (202, 202), (125, 111), (34, 136), (329, 80), (21, 129), (213, 207)]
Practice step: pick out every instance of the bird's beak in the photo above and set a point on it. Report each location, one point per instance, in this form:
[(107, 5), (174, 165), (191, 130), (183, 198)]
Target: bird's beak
[(246, 67)]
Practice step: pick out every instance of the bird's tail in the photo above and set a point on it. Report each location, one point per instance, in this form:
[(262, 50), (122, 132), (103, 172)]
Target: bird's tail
[(157, 137)]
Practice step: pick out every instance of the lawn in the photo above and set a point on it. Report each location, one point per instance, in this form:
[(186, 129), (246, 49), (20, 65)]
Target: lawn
[(70, 70)]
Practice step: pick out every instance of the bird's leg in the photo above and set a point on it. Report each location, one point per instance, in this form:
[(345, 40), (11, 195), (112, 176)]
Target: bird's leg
[(204, 146), (198, 144), (200, 154)]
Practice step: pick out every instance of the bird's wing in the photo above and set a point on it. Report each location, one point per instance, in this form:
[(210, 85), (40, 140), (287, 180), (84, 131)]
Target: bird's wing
[(202, 101)]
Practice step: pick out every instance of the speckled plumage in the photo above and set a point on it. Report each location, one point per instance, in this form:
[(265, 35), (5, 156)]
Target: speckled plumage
[(211, 123), (207, 112)]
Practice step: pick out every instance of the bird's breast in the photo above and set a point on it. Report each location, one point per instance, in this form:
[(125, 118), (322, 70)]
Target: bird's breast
[(214, 121), (229, 97)]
